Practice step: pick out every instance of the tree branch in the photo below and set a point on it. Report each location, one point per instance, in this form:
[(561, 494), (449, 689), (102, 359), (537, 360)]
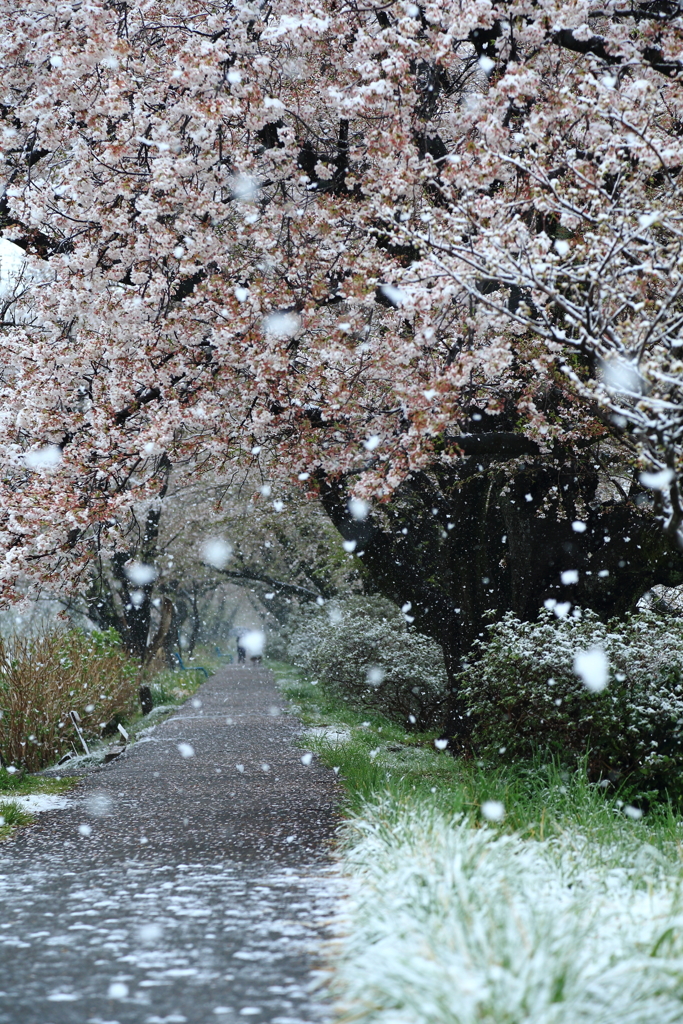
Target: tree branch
[(502, 444), (259, 577)]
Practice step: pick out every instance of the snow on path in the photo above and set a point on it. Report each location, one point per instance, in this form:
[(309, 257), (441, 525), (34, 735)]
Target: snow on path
[(184, 943), (176, 889), (36, 803)]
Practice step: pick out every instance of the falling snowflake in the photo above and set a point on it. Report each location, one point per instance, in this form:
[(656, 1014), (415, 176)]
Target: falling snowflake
[(281, 325), (217, 552), (375, 675), (48, 457), (253, 642), (592, 667), (139, 574), (359, 509), (657, 481), (117, 990), (493, 810)]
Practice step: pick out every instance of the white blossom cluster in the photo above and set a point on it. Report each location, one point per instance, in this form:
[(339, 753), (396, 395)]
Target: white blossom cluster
[(312, 237)]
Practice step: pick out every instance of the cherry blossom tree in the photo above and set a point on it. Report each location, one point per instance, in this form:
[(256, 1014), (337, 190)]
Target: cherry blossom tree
[(178, 559), (428, 255)]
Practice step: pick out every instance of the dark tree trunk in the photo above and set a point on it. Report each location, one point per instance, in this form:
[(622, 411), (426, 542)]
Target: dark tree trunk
[(171, 638), (469, 544), (196, 621), (159, 639), (129, 610)]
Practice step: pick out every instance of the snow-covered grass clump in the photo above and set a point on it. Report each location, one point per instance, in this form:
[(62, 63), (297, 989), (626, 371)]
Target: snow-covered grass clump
[(472, 925)]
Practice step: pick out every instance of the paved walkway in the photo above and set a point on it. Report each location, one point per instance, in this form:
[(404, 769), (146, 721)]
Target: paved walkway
[(188, 881)]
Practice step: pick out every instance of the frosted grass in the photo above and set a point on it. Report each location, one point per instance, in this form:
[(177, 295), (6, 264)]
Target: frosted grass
[(463, 925)]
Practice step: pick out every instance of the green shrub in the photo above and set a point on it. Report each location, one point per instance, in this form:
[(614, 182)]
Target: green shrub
[(169, 687), (523, 694), (43, 679), (311, 625), (364, 653)]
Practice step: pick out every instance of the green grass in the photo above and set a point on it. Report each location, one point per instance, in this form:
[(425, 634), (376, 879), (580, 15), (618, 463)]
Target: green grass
[(541, 800), (20, 783), (11, 817)]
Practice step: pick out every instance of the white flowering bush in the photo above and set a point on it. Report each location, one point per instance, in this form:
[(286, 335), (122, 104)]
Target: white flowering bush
[(305, 629), (363, 651), (311, 625), (611, 691)]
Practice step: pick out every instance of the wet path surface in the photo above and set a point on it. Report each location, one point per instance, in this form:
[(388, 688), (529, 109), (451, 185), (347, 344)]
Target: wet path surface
[(187, 882)]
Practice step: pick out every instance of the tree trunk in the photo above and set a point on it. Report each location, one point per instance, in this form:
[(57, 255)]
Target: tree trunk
[(196, 622), (159, 638), (113, 599), (171, 638)]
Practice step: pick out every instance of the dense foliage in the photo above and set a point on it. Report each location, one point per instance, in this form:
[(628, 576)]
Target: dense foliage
[(523, 694), (43, 679), (364, 653), (318, 238)]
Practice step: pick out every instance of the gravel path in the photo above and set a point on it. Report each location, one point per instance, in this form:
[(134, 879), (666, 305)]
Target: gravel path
[(187, 882)]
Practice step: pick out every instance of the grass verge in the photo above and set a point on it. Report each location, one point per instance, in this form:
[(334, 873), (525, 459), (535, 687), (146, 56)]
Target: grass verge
[(169, 690), (520, 895), (20, 783), (540, 801)]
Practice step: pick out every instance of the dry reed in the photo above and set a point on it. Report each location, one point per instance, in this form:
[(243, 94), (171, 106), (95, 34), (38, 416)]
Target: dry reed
[(43, 679)]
